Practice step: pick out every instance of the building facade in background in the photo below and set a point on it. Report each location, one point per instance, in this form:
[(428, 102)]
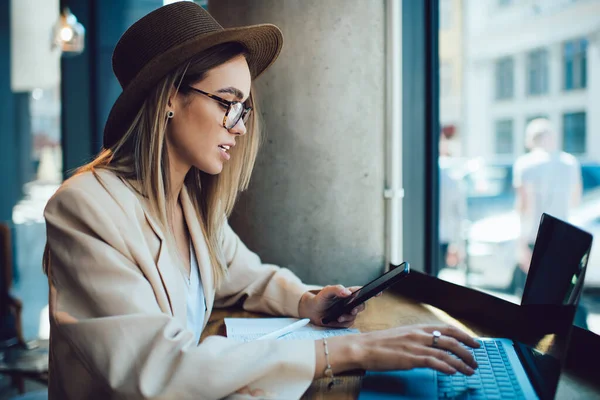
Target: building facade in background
[(525, 59)]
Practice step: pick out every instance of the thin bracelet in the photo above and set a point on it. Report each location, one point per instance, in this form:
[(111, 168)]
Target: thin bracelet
[(328, 371)]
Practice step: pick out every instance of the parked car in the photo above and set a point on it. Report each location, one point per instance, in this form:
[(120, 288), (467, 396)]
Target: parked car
[(492, 250)]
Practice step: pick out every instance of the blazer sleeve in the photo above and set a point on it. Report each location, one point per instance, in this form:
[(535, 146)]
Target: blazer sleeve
[(106, 311), (260, 287)]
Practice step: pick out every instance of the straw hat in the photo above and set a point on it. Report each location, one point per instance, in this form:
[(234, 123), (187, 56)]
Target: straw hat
[(164, 39)]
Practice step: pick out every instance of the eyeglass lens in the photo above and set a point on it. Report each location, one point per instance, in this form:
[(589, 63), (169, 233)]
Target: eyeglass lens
[(235, 113)]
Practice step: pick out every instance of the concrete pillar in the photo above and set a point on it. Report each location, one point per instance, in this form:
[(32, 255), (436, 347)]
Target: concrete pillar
[(315, 203)]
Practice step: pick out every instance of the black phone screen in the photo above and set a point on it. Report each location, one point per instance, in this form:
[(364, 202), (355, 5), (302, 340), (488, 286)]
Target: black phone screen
[(346, 304)]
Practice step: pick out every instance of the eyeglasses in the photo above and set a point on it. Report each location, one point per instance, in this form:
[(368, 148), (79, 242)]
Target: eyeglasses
[(235, 109)]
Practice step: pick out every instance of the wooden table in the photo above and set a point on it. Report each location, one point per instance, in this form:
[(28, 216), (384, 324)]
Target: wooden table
[(386, 311)]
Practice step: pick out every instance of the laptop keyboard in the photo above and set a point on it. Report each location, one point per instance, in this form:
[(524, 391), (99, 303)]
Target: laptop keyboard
[(494, 379)]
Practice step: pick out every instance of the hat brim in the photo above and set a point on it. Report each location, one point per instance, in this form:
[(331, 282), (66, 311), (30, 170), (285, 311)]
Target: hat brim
[(263, 43)]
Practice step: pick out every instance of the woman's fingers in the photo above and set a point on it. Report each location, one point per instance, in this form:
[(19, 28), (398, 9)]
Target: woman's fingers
[(459, 350), (456, 333), (333, 291), (433, 363), (342, 322), (349, 317), (450, 343), (447, 358), (359, 309), (352, 315)]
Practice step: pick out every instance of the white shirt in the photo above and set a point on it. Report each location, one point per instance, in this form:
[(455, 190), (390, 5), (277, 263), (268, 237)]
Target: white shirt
[(196, 306), (453, 208), (549, 179)]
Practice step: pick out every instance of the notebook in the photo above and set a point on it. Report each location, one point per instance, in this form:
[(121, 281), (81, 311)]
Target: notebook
[(526, 369), (249, 329)]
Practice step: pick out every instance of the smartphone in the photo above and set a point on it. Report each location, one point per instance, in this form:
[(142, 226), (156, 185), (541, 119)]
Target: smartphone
[(343, 305)]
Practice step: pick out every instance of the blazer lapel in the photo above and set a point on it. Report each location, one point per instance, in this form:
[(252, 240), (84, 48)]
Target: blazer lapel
[(201, 250), (170, 273), (172, 278)]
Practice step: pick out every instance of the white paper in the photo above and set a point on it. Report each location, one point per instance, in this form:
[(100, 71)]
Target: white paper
[(249, 329)]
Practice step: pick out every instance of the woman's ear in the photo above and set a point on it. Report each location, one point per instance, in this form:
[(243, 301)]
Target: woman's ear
[(171, 101), (170, 106), (171, 98)]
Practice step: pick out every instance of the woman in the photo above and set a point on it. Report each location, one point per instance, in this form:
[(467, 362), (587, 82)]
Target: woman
[(139, 250)]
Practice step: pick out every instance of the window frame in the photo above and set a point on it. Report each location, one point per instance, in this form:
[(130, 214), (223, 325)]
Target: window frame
[(582, 123), (504, 70), (537, 61), (420, 153), (576, 63), (497, 124)]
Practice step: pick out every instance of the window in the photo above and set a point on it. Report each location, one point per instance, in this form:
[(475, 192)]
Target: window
[(445, 14), (537, 72), (504, 78), (574, 135), (502, 85), (575, 64), (446, 72), (504, 136)]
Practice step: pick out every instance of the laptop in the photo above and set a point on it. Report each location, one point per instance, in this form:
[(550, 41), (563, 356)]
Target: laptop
[(528, 368)]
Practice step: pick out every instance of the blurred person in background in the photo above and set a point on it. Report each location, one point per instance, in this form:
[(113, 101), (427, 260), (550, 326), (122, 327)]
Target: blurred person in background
[(453, 212), (139, 250), (546, 180)]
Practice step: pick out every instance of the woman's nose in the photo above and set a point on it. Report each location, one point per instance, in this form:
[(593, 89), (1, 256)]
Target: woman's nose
[(239, 128)]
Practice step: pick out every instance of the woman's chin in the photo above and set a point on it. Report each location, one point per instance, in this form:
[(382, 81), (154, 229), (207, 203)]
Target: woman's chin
[(214, 169)]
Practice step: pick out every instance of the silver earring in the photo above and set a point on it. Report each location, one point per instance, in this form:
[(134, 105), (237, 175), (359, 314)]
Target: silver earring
[(170, 114)]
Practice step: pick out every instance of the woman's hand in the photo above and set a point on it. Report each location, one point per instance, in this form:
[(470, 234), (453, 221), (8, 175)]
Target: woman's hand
[(313, 306), (401, 348), (414, 348)]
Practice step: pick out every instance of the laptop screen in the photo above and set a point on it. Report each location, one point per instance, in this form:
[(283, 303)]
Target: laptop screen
[(550, 300)]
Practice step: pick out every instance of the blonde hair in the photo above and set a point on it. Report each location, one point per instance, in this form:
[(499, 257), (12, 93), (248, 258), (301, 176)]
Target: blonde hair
[(540, 133), (141, 156)]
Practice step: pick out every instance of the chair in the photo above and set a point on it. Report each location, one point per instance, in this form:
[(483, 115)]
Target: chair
[(18, 359)]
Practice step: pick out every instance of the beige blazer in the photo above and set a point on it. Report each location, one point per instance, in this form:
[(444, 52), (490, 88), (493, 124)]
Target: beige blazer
[(118, 306)]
